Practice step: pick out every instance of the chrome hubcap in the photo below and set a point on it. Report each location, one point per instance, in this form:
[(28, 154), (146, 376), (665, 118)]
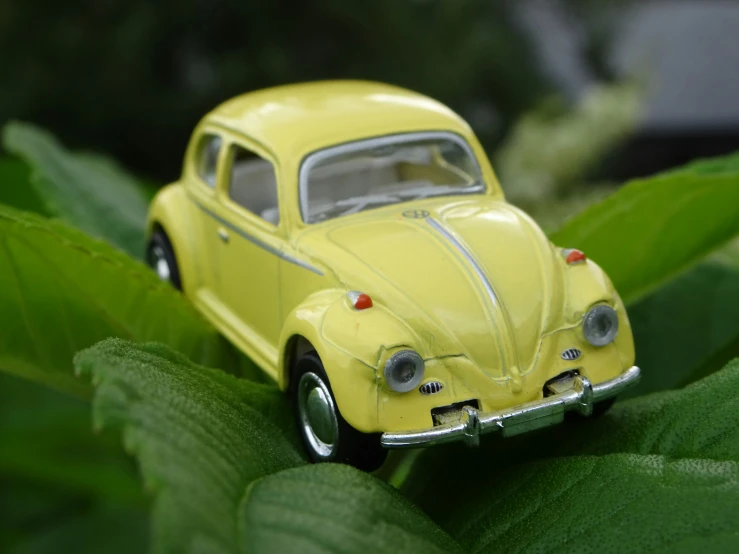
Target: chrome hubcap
[(159, 263), (317, 415)]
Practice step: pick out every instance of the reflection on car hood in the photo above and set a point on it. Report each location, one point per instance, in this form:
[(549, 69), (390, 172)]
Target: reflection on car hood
[(473, 276)]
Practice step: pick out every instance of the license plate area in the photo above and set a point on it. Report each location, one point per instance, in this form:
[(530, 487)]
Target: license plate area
[(451, 413)]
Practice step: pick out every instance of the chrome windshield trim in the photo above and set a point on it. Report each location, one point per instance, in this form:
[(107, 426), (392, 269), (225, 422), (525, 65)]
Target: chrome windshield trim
[(255, 241), (578, 395), (374, 142)]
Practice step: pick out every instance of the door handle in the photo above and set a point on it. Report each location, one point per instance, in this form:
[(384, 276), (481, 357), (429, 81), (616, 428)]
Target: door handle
[(223, 234)]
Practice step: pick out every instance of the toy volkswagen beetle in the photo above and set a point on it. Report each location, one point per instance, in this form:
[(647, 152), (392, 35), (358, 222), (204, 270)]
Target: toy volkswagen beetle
[(352, 239)]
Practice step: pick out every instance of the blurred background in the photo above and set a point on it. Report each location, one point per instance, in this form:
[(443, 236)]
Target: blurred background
[(131, 79), (560, 92), (569, 97)]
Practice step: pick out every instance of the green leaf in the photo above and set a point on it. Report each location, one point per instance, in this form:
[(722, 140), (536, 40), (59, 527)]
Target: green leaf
[(614, 503), (90, 192), (658, 473), (101, 529), (201, 437), (334, 508), (46, 439), (15, 186), (685, 325), (64, 489), (652, 229), (61, 291), (218, 453)]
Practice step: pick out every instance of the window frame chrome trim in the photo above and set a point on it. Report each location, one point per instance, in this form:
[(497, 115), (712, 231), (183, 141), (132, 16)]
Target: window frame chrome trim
[(197, 155), (310, 160), (229, 152)]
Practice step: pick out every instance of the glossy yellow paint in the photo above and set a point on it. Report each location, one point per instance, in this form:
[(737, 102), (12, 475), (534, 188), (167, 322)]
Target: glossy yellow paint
[(475, 287)]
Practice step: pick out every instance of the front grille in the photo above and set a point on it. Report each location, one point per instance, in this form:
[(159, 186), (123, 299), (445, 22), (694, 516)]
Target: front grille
[(431, 387), (445, 414), (571, 354)]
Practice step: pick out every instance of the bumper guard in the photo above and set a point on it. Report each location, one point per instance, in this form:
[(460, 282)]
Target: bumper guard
[(575, 393)]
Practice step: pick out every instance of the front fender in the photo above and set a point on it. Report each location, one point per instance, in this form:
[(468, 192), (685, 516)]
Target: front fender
[(367, 334), (350, 344), (587, 285), (171, 210)]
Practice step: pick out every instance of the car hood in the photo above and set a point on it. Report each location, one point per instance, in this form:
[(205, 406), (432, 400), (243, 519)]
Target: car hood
[(475, 277)]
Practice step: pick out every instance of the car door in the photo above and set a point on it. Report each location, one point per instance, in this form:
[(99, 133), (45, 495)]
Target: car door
[(203, 169), (250, 243)]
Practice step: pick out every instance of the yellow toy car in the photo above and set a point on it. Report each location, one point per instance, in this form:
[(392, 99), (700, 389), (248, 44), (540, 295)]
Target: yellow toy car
[(352, 239)]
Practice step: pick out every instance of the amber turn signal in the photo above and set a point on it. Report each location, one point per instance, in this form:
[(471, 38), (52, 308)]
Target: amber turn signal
[(573, 256), (360, 300)]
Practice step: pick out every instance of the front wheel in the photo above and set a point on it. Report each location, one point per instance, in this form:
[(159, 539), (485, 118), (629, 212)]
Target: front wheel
[(160, 257), (326, 435)]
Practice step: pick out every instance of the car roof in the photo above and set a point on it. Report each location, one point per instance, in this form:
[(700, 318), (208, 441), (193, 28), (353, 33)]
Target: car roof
[(292, 120)]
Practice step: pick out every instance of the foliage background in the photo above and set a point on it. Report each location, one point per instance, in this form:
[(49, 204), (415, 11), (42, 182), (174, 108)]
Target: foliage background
[(131, 79), (127, 82)]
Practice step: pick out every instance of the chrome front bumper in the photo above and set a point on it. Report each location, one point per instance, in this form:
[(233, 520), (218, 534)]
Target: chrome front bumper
[(572, 394)]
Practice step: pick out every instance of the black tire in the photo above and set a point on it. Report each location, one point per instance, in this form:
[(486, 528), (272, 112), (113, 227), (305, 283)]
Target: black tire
[(343, 443), (159, 251)]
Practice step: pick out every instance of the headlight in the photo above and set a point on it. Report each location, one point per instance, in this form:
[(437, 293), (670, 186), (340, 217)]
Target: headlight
[(600, 326), (404, 371)]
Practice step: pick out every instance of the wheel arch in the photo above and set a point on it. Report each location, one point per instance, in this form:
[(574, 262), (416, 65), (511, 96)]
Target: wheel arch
[(295, 347), (352, 381), (169, 212)]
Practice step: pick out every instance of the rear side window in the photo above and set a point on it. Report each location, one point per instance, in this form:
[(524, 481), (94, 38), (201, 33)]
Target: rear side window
[(253, 184), (207, 158)]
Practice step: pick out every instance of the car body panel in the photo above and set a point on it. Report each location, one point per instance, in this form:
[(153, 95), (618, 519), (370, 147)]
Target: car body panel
[(469, 282)]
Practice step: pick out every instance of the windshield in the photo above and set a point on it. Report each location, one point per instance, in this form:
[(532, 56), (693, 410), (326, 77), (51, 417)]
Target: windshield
[(369, 174)]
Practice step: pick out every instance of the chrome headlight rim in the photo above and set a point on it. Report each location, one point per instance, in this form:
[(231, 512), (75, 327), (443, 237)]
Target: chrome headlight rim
[(404, 371), (596, 320)]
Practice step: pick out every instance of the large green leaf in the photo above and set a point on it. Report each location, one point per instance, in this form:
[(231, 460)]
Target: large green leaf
[(61, 291), (690, 322), (47, 440), (652, 229), (90, 192), (15, 186), (72, 526), (201, 437), (64, 488), (614, 503), (659, 473), (218, 451), (334, 508)]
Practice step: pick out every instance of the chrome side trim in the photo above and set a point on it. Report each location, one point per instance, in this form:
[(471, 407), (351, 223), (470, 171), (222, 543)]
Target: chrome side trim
[(578, 395), (462, 250), (263, 245), (487, 285)]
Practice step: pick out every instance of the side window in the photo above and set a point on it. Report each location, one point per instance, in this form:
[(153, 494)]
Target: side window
[(207, 158), (253, 184)]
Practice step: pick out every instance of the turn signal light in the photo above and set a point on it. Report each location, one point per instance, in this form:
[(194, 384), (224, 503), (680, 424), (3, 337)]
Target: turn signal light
[(360, 300), (573, 256)]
